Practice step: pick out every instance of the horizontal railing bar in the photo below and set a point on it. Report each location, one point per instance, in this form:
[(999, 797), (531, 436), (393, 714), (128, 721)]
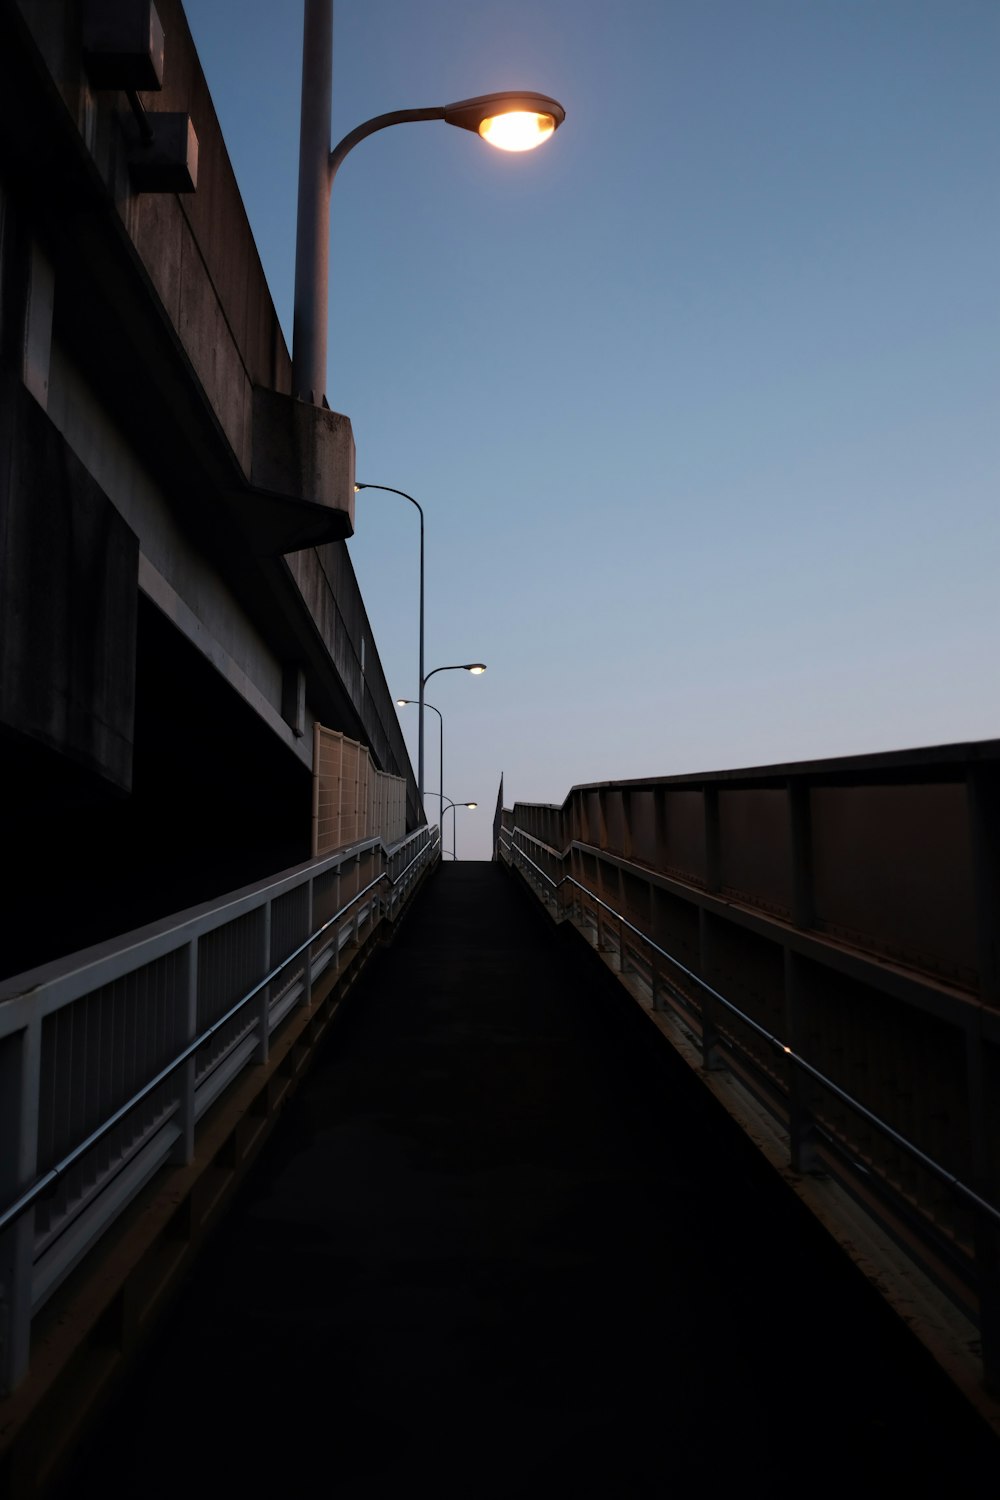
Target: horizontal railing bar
[(955, 1183), (61, 985), (39, 1188)]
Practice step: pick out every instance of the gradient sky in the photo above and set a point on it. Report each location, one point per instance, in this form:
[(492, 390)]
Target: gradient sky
[(702, 400)]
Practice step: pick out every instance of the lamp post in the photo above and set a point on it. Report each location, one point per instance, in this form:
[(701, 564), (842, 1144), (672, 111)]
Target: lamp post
[(513, 121), (476, 668), (420, 724), (403, 703), (453, 805)]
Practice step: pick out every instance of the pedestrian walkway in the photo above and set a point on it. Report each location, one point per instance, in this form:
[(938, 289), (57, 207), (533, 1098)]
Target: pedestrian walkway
[(504, 1243)]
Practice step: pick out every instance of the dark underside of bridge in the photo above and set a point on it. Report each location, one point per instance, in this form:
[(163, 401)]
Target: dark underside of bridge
[(216, 802), (503, 1242)]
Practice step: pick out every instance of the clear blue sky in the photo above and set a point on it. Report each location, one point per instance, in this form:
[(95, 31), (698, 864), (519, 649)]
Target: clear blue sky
[(702, 399)]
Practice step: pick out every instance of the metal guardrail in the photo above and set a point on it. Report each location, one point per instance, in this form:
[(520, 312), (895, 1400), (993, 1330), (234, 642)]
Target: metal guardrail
[(804, 1129), (101, 1086)]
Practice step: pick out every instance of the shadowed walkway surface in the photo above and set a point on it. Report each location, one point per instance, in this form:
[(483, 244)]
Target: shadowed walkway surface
[(503, 1242)]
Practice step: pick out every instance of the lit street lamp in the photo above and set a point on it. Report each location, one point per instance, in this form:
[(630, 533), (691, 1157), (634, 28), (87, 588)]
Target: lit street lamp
[(446, 801), (476, 669), (513, 121), (420, 723)]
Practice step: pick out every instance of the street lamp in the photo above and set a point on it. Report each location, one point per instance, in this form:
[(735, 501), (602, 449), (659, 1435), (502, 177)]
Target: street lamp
[(420, 724), (476, 669), (513, 121), (447, 801), (403, 703)]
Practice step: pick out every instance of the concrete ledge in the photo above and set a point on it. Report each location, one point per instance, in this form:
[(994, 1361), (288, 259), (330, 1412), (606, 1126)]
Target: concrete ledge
[(168, 161), (302, 475)]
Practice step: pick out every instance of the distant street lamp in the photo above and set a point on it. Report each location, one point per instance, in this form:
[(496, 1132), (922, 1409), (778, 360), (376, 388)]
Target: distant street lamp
[(446, 801), (420, 722), (514, 121), (403, 703), (476, 669)]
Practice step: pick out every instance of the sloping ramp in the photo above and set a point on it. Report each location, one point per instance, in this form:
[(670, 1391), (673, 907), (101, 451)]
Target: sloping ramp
[(503, 1243)]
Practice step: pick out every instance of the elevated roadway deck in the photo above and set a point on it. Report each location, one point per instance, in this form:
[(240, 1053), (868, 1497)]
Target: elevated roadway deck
[(504, 1243)]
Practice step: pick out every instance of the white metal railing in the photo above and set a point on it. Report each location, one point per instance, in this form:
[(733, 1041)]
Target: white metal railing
[(109, 1058), (702, 1003)]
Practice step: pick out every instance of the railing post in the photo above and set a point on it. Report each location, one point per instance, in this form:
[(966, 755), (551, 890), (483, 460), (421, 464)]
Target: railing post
[(983, 804), (20, 1066), (355, 923), (713, 839), (987, 1243), (264, 998), (802, 1140), (655, 937), (337, 883), (800, 828), (183, 1151), (710, 1057), (307, 972), (564, 895)]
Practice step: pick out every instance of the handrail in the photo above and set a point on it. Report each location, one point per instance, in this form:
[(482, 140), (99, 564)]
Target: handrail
[(955, 1183), (49, 1179)]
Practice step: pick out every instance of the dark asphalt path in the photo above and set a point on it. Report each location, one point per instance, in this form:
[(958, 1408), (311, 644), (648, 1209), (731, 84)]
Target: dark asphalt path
[(502, 1243)]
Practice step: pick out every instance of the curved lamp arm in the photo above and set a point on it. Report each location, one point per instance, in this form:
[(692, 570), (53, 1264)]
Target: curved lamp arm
[(477, 668), (421, 705), (379, 122), (468, 114), (447, 802)]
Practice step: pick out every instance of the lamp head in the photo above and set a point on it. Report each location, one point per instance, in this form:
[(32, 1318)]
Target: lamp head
[(472, 804), (402, 702), (511, 121), (477, 668)]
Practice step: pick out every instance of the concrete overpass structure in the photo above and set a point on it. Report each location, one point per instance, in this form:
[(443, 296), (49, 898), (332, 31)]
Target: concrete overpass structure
[(178, 613), (179, 607)]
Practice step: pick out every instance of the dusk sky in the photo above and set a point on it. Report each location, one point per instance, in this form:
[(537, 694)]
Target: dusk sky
[(702, 399)]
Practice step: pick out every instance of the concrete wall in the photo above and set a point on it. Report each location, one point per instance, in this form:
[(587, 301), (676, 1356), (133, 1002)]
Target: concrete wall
[(150, 449), (850, 909)]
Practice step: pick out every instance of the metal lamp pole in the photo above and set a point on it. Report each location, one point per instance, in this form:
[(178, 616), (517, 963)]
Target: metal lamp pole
[(454, 843), (477, 668), (403, 703), (420, 725), (513, 121)]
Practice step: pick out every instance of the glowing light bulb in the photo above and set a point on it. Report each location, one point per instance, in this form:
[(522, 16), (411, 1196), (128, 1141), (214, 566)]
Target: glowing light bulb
[(518, 130)]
